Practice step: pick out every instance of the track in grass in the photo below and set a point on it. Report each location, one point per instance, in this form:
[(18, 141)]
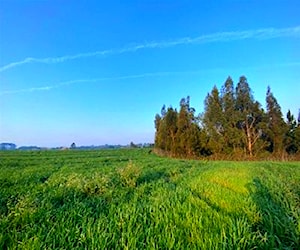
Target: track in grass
[(130, 199)]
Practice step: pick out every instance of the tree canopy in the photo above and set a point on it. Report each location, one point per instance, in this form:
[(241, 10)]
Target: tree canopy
[(233, 124)]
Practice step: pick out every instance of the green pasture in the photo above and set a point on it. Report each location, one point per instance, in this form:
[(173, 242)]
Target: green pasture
[(133, 199)]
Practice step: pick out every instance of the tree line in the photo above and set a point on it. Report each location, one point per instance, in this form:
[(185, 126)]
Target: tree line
[(233, 124)]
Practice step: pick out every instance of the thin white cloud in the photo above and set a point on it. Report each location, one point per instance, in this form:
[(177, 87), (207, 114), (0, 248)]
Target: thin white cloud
[(268, 33), (93, 80), (136, 76), (34, 89)]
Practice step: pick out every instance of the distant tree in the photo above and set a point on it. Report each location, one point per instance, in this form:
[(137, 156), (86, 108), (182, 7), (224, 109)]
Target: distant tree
[(157, 122), (160, 133), (188, 136), (276, 127), (178, 132), (133, 145), (161, 130), (7, 146), (170, 120), (182, 128), (73, 145)]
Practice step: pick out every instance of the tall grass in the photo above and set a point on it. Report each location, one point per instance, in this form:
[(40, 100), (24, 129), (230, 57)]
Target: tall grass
[(129, 199)]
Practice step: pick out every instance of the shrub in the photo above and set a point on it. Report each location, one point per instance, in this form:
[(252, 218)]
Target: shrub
[(129, 175), (96, 185)]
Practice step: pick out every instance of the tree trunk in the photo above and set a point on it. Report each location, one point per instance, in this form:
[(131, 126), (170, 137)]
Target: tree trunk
[(249, 139)]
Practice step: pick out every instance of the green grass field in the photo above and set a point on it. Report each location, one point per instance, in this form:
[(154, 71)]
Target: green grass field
[(130, 199)]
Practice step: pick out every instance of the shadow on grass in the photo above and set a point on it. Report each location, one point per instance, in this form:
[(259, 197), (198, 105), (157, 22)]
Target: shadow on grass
[(165, 174), (94, 205), (152, 176), (277, 227)]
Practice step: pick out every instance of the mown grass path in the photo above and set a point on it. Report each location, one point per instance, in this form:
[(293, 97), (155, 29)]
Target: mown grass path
[(130, 199)]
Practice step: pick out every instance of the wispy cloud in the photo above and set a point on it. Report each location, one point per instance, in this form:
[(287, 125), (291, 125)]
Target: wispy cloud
[(268, 33), (137, 76), (34, 89), (93, 80)]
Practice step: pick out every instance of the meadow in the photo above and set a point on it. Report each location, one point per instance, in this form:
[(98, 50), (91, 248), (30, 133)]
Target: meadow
[(133, 199)]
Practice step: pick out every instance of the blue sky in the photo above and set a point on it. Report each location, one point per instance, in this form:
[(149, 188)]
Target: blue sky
[(97, 72)]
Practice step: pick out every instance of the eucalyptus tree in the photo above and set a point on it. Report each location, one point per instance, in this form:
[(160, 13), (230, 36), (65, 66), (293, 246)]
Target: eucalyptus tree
[(249, 116), (276, 127), (231, 132), (213, 120)]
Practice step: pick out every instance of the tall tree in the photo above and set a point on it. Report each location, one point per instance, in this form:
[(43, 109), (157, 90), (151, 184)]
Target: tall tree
[(157, 123), (213, 121), (183, 124), (250, 116), (292, 137), (231, 132), (276, 126), (187, 142), (161, 129), (171, 128)]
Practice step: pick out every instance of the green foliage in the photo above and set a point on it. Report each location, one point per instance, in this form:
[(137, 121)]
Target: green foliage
[(129, 199), (213, 121), (292, 136), (277, 128), (231, 132), (178, 132), (233, 126)]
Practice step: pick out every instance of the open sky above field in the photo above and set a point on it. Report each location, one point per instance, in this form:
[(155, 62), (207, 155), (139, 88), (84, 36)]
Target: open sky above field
[(97, 72)]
